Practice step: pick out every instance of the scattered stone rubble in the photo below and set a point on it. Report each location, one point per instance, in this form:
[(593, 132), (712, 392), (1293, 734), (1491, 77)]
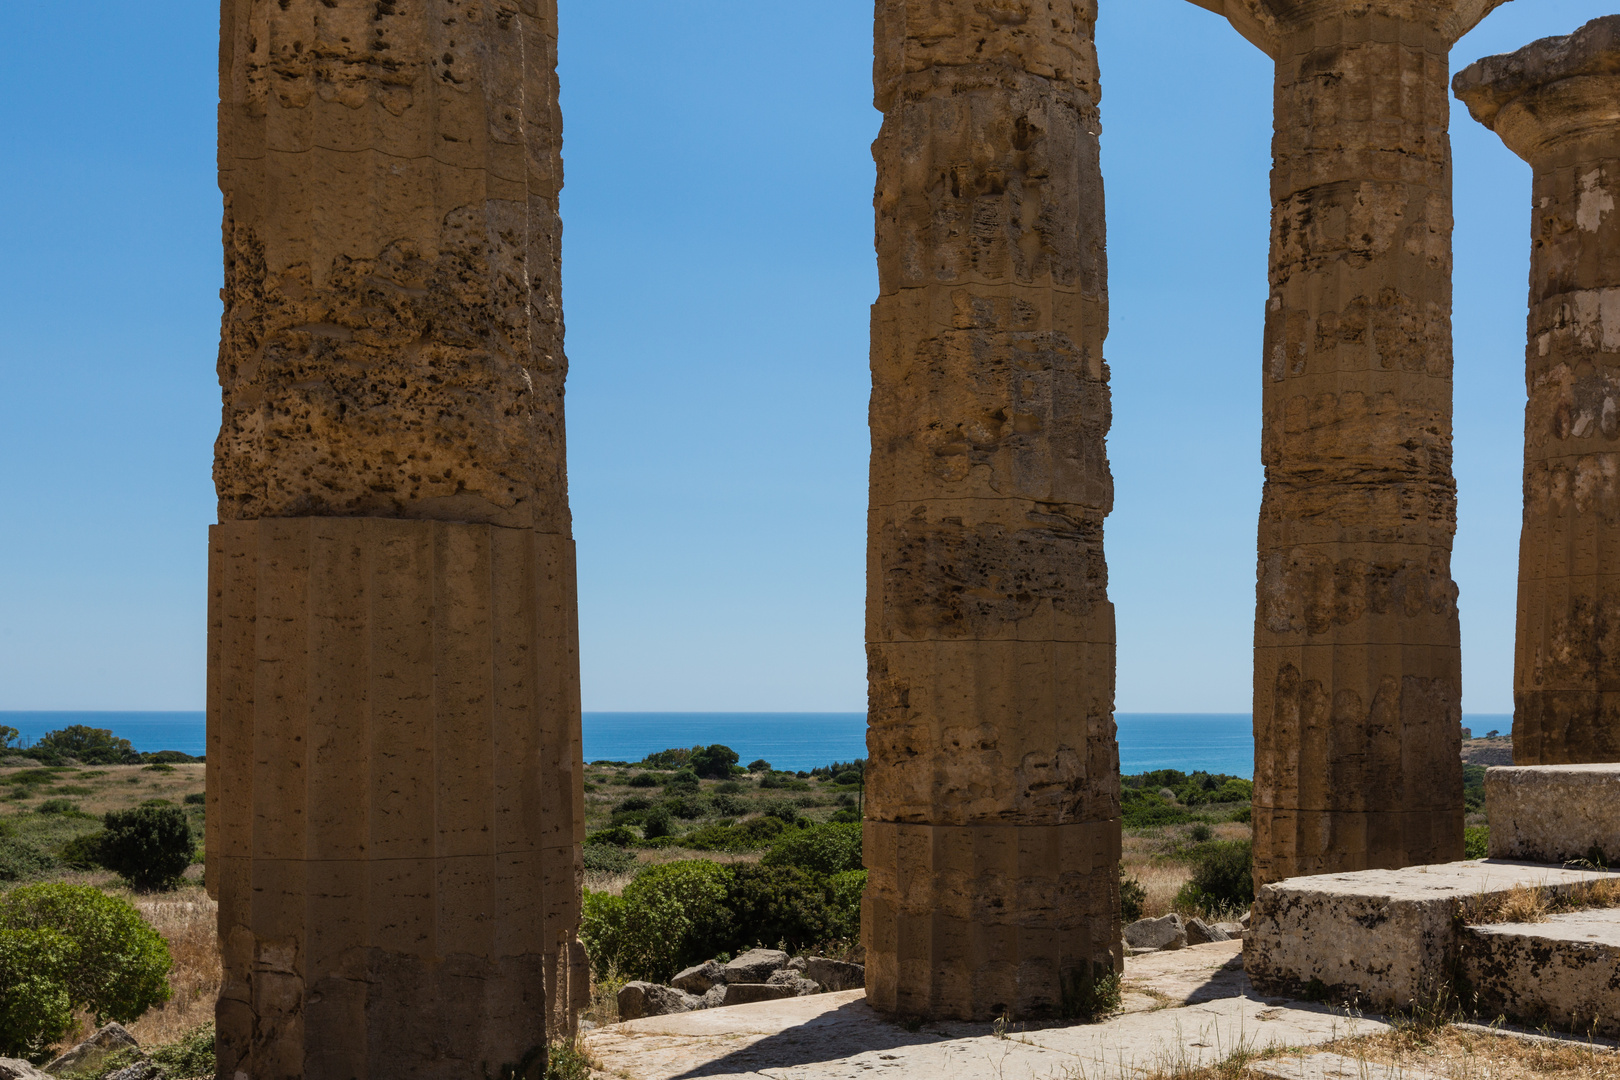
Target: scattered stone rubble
[(88, 1055), (1174, 931), (756, 975)]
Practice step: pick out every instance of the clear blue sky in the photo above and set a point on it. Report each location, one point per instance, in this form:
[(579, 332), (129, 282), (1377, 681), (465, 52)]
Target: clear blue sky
[(718, 269)]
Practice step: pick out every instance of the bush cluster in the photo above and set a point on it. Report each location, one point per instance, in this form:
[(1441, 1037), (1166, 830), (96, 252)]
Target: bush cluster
[(69, 947), (149, 846), (1477, 841), (806, 891), (1223, 877)]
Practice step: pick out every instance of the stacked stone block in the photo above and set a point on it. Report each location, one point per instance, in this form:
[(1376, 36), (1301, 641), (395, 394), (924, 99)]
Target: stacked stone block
[(992, 832), (1357, 683), (1556, 103), (394, 797)]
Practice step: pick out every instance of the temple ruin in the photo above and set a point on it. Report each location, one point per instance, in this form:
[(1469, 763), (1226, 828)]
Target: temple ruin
[(992, 808), (394, 802), (1554, 104), (394, 793)]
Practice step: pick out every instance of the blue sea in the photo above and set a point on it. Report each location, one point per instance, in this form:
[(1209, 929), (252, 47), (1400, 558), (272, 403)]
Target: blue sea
[(1213, 742)]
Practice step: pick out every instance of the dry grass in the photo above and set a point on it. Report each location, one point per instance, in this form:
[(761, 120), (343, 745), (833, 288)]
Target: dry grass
[(1532, 904), (187, 919), (1162, 879)]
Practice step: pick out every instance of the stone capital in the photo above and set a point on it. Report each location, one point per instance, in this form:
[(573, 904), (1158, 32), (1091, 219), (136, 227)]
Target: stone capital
[(1266, 22), (1551, 93)]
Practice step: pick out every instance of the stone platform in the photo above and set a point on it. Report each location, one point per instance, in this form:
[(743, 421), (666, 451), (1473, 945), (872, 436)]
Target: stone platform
[(1554, 813), (1182, 1009), (1562, 972), (1384, 937)]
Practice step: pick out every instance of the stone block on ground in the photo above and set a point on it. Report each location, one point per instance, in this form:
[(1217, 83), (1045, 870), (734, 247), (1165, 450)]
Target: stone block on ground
[(1554, 813), (1385, 937), (835, 974), (748, 993), (755, 965), (1334, 1067), (1165, 932), (18, 1069), (713, 997), (698, 978), (141, 1070), (1563, 973), (88, 1055), (638, 999), (1200, 932)]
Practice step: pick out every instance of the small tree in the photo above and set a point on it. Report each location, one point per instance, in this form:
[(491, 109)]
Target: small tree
[(112, 963), (93, 746), (150, 846), (35, 1006), (713, 762)]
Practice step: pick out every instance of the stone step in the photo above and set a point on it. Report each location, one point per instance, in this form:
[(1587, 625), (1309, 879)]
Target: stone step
[(1388, 938), (1563, 973), (1554, 813)]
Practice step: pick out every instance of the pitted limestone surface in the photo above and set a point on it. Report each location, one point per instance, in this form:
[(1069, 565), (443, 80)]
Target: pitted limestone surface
[(1357, 681), (1553, 103), (1389, 938), (990, 635), (1564, 972), (1554, 813)]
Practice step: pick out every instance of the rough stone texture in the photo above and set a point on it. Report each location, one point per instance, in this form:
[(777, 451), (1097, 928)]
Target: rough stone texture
[(1357, 679), (834, 974), (1556, 104), (838, 1036), (755, 966), (746, 993), (394, 799), (1564, 972), (141, 1070), (1554, 813), (698, 978), (992, 800), (638, 999), (1200, 932), (1386, 937), (18, 1069), (1166, 932), (90, 1053)]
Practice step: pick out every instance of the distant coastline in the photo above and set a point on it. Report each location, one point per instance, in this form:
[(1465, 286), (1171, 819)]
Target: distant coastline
[(1211, 742)]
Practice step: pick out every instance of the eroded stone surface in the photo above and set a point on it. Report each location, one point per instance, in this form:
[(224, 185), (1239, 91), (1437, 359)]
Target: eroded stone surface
[(990, 635), (1388, 938), (1556, 103), (1554, 813), (1335, 1067), (1357, 683), (1564, 972)]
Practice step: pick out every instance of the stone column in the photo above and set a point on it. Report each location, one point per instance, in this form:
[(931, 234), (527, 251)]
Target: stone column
[(1556, 104), (1357, 680), (394, 798), (992, 813)]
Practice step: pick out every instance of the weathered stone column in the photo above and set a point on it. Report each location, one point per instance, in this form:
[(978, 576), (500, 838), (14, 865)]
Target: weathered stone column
[(1357, 675), (394, 802), (992, 832), (1556, 104)]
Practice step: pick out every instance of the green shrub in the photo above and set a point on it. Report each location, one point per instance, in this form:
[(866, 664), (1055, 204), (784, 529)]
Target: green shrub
[(1132, 897), (714, 762), (786, 813), (730, 805), (116, 965), (93, 746), (1473, 788), (667, 759), (35, 1005), (632, 804), (665, 918), (759, 765), (820, 849), (644, 779), (684, 782), (83, 852), (57, 806), (845, 817), (149, 846), (844, 898), (1200, 832), (851, 777), (19, 859), (196, 798), (657, 824), (762, 830), (160, 766), (1244, 814), (782, 907), (617, 836), (192, 1056), (686, 807), (166, 757), (1234, 790), (1150, 811), (1476, 841), (606, 859), (1223, 877)]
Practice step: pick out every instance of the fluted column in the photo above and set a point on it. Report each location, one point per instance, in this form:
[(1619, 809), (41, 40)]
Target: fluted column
[(1556, 103), (1357, 680), (394, 799), (992, 832)]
